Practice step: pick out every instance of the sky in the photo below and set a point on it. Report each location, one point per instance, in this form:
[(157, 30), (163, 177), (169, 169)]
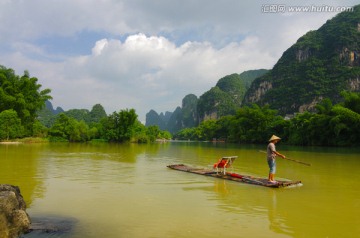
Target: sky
[(148, 54)]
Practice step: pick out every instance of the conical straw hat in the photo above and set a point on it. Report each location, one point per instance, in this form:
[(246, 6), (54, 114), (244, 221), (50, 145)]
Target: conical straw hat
[(274, 137)]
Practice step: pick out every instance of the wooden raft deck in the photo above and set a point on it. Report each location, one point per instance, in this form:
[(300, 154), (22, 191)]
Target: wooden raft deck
[(235, 177)]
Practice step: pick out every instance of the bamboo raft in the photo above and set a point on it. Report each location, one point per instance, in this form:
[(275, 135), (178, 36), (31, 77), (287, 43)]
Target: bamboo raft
[(235, 177)]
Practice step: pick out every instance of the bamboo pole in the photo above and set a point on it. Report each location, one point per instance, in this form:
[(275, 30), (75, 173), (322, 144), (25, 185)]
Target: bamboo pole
[(294, 160)]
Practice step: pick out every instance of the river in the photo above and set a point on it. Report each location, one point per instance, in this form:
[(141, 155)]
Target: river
[(126, 190)]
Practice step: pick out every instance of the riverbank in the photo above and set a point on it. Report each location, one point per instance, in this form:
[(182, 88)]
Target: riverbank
[(26, 140), (10, 142)]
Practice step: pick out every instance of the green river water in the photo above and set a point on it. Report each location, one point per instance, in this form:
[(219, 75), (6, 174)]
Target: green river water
[(115, 191)]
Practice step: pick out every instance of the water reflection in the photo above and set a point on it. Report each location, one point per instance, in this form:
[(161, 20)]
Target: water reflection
[(260, 205), (28, 165), (126, 153), (276, 218), (20, 166)]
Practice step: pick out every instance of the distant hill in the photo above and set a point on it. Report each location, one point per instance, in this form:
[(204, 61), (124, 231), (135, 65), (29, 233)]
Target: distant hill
[(48, 114), (227, 95), (49, 106), (319, 65), (222, 99), (153, 118), (182, 117)]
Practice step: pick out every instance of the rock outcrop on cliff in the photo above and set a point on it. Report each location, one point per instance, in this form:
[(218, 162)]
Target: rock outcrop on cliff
[(319, 65)]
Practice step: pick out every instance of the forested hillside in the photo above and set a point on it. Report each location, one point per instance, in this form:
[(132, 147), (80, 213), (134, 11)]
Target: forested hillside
[(331, 125), (221, 100), (227, 95), (318, 79), (320, 65)]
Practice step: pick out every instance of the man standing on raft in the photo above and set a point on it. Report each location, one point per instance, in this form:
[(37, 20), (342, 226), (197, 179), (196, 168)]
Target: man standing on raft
[(271, 154)]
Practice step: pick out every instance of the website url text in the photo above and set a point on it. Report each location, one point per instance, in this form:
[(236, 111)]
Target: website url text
[(282, 8)]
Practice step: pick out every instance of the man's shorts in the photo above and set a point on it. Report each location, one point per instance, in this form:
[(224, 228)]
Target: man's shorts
[(272, 166)]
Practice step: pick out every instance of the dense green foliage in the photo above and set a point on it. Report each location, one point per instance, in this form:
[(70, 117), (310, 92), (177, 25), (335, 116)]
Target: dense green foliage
[(253, 124), (121, 126), (250, 125), (215, 103), (233, 86), (337, 125), (69, 129), (118, 126), (320, 65), (23, 95), (10, 125), (236, 85), (227, 96), (248, 76)]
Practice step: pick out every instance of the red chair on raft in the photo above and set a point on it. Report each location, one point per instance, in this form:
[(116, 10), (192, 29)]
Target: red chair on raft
[(224, 163)]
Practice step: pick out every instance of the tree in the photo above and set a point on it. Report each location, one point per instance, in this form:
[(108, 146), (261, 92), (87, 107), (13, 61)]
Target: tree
[(10, 125), (351, 101), (324, 107), (118, 126), (186, 134), (224, 128), (140, 133), (207, 130), (39, 130), (165, 135), (23, 95), (66, 128), (299, 129), (153, 133), (346, 125), (254, 123)]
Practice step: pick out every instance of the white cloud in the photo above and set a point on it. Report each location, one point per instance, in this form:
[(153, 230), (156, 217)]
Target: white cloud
[(99, 46), (153, 73), (39, 18)]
